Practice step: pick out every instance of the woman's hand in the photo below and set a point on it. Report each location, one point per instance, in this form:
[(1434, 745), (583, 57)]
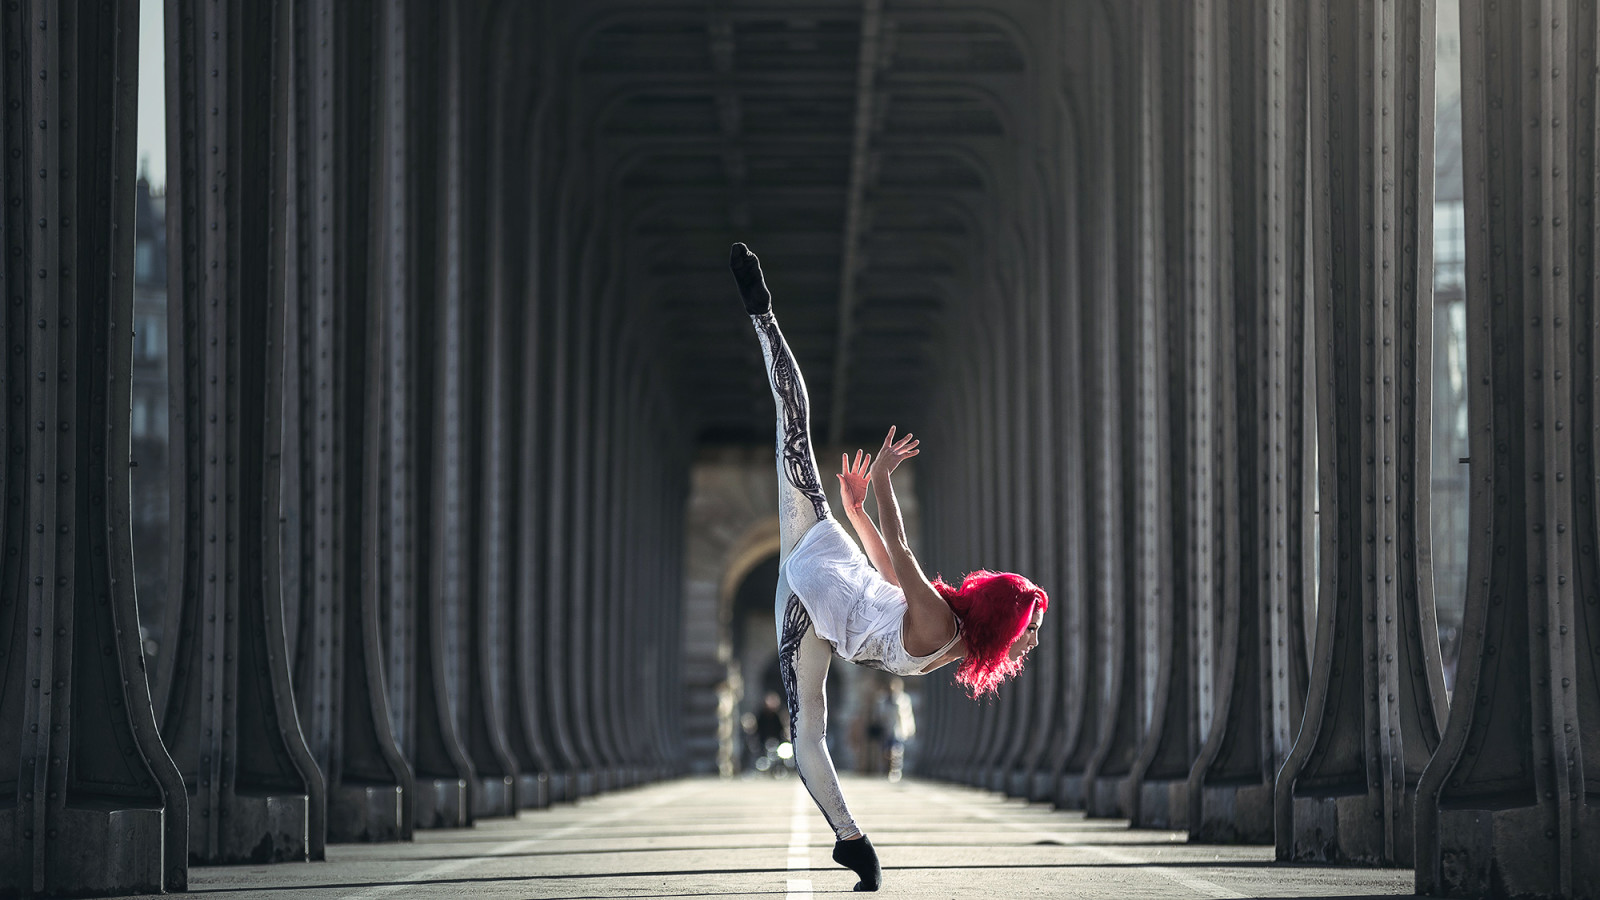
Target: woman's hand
[(853, 479), (894, 453)]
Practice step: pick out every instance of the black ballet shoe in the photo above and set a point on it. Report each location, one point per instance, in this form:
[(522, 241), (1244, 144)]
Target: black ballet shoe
[(859, 855), (752, 287)]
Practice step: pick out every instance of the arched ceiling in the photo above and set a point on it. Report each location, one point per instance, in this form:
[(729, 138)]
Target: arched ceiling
[(860, 147)]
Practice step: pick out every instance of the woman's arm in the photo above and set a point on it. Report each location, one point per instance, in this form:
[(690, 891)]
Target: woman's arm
[(853, 489), (928, 618)]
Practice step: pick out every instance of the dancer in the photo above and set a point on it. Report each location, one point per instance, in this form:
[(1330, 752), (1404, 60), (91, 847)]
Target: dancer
[(876, 610)]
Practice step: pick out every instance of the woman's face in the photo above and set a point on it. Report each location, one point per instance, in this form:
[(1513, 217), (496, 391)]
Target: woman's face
[(1030, 636)]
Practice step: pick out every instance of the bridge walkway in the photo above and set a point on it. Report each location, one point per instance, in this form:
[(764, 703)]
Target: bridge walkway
[(707, 838)]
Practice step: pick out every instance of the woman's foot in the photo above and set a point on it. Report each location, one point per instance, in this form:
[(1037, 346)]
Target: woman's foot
[(752, 287), (857, 854)]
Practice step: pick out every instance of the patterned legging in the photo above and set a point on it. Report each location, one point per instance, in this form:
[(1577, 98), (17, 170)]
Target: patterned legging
[(803, 657)]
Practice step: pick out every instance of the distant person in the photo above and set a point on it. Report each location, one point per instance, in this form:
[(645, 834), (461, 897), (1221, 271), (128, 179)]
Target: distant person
[(770, 728), (877, 610), (899, 724)]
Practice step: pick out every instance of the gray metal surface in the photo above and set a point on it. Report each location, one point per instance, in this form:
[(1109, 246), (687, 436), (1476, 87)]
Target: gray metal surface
[(1508, 803), (1376, 702), (337, 673), (226, 703), (80, 762), (1259, 687)]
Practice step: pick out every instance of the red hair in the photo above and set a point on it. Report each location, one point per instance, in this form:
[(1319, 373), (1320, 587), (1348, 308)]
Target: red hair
[(994, 609)]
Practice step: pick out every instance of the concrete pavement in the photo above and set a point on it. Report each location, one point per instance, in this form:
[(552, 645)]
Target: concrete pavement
[(764, 838)]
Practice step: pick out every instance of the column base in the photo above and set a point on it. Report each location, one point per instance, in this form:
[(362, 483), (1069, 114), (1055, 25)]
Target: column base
[(494, 797), (1070, 792), (562, 787), (1348, 830), (260, 828), (1234, 814), (533, 790), (1508, 853), (92, 851), (443, 803), (1163, 804), (360, 813), (1041, 788), (1106, 797)]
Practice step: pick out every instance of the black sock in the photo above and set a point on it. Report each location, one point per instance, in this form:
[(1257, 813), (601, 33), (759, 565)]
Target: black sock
[(752, 287), (859, 855)]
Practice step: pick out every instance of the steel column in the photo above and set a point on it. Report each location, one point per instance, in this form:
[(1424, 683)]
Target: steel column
[(1376, 699), (555, 388), (533, 685), (1168, 743), (1130, 406), (1254, 702), (1071, 606), (434, 747), (228, 705), (96, 805), (338, 675), (517, 253), (1508, 804), (1101, 626), (1029, 777)]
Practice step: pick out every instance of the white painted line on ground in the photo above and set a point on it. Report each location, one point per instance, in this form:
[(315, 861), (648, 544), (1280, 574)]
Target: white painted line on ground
[(1199, 885), (506, 849), (800, 844)]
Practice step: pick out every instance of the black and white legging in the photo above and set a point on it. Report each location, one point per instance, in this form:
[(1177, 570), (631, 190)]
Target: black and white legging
[(803, 657)]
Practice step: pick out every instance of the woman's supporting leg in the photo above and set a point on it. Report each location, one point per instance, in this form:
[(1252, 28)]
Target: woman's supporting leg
[(803, 660)]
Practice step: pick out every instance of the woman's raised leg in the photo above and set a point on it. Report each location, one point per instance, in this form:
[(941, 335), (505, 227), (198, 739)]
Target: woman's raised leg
[(801, 502)]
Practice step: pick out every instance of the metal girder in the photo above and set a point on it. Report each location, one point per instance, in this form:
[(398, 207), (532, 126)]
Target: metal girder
[(338, 669), (1101, 627), (1168, 741), (1028, 777), (1508, 804), (1251, 691), (82, 760), (867, 65), (1376, 700), (557, 418), (420, 260), (538, 714), (481, 282), (1125, 368), (227, 705)]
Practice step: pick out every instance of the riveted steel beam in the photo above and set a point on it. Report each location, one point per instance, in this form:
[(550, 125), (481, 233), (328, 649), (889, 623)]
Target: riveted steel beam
[(1126, 388), (95, 803), (867, 65), (1253, 703), (227, 704), (1072, 608), (1508, 804), (1029, 772), (481, 282), (1099, 625), (338, 671), (524, 97), (422, 633), (541, 718), (1167, 744), (1376, 699), (556, 418)]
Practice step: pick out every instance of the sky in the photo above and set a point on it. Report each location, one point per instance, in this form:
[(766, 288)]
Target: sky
[(152, 96)]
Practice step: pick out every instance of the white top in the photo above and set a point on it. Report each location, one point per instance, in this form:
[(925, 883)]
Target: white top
[(851, 605)]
